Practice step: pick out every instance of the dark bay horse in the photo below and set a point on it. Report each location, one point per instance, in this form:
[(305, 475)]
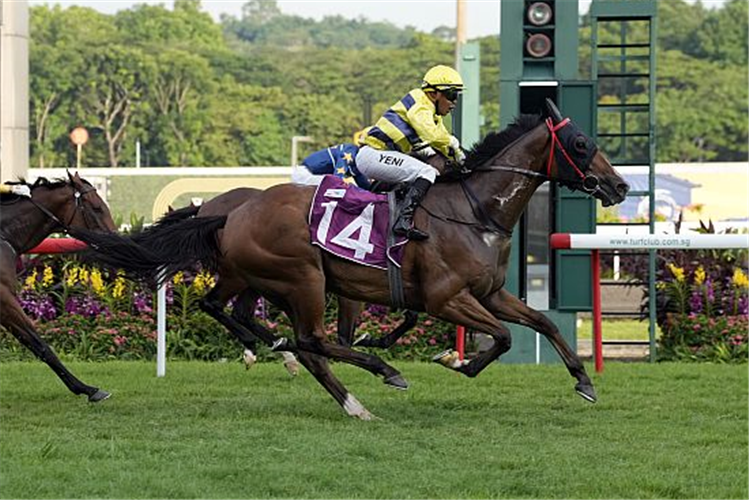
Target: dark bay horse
[(457, 275), (54, 206)]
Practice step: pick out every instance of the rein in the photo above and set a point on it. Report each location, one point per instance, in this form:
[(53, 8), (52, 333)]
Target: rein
[(78, 205), (588, 183)]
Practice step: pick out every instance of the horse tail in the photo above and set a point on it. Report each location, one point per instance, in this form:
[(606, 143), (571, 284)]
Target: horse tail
[(158, 252), (177, 215)]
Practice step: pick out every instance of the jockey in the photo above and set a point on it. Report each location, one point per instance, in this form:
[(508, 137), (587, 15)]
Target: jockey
[(336, 160), (413, 124), (17, 189)]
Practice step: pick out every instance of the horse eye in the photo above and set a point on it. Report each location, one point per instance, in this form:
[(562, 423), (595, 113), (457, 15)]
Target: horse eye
[(581, 144)]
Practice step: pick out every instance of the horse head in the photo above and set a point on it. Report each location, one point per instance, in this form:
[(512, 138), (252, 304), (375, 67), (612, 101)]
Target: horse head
[(576, 162), (85, 209)]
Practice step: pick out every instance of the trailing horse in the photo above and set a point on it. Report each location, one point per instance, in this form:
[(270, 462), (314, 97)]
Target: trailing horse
[(348, 310), (65, 205), (457, 275)]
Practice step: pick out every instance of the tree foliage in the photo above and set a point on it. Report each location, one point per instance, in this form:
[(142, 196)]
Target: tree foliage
[(196, 92)]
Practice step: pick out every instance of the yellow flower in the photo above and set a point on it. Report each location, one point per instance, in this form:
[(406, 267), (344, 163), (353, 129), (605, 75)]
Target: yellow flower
[(740, 280), (699, 276), (178, 278), (48, 276), (202, 281), (30, 283), (118, 290), (71, 276), (677, 272), (97, 283), (83, 275)]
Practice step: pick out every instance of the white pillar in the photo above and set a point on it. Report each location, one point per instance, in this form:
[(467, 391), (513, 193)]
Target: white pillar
[(14, 89)]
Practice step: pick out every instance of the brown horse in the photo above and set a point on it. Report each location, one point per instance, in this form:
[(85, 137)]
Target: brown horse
[(457, 275), (24, 222), (348, 310)]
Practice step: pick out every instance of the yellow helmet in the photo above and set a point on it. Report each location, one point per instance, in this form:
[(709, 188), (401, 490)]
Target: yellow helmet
[(441, 78)]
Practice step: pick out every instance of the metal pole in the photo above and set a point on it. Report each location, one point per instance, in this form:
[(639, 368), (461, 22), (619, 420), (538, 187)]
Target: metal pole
[(161, 331), (137, 153), (78, 148), (460, 30), (597, 325)]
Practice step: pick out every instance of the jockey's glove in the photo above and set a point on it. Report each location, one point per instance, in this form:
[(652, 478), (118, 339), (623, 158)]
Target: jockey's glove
[(20, 190), (456, 151), (425, 152)]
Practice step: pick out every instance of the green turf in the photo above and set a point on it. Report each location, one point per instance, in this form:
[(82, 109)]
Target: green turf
[(516, 431), (617, 329)]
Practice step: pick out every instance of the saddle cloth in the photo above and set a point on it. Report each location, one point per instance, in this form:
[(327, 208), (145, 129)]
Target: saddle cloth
[(353, 224)]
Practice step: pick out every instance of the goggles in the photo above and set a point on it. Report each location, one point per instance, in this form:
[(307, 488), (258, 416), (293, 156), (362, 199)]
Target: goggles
[(451, 94)]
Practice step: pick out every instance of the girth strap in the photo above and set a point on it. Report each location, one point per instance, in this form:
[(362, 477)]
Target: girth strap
[(395, 277)]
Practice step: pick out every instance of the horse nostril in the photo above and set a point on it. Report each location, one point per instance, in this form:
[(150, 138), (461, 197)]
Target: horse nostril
[(622, 188)]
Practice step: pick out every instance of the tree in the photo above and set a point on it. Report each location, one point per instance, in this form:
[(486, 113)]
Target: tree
[(116, 79)]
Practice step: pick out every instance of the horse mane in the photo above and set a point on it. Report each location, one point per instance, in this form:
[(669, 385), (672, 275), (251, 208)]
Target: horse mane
[(494, 142)]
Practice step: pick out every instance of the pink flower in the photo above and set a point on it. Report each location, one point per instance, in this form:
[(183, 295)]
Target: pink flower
[(432, 341), (120, 340)]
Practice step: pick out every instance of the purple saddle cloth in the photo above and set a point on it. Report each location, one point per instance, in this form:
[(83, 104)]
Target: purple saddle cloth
[(353, 224)]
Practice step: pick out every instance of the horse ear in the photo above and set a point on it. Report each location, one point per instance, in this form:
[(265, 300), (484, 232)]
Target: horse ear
[(70, 177), (554, 112)]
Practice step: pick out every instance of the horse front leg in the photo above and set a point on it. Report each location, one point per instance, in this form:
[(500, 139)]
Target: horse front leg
[(18, 324), (245, 330), (409, 321), (511, 309), (244, 313), (464, 309)]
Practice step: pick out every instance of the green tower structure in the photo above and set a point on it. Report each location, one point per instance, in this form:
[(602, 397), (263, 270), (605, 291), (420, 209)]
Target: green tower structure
[(539, 60)]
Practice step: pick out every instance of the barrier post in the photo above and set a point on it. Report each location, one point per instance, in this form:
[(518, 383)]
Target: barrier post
[(460, 341), (161, 329), (595, 263)]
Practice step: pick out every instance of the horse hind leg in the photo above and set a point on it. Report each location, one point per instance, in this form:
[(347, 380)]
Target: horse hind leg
[(15, 321)]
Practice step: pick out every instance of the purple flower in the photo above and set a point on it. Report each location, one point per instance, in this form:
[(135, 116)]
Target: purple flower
[(695, 302), (142, 302)]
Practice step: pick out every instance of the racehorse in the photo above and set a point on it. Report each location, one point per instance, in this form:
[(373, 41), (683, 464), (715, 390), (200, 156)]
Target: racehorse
[(348, 310), (456, 275), (61, 205)]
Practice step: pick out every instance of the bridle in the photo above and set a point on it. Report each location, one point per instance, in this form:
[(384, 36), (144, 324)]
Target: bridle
[(78, 194), (587, 182)]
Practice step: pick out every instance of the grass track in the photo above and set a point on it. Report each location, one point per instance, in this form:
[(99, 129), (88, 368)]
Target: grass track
[(217, 431)]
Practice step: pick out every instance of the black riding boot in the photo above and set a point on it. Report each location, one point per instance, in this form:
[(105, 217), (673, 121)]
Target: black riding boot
[(404, 225)]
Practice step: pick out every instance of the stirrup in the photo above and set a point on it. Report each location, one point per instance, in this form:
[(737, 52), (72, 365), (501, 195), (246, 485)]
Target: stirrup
[(412, 233)]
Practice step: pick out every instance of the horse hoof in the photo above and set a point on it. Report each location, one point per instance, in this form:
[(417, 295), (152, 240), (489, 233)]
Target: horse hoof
[(587, 392), (362, 340), (280, 345), (249, 359), (448, 358), (99, 395), (397, 382), (292, 366)]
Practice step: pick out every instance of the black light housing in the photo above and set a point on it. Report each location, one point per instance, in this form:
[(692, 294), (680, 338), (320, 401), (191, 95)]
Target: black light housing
[(539, 13), (538, 45), (538, 26)]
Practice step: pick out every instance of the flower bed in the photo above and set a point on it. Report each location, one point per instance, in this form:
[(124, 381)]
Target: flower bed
[(87, 314)]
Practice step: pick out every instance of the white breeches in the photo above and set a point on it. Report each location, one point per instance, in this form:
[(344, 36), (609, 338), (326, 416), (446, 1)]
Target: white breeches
[(393, 166), (300, 175)]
